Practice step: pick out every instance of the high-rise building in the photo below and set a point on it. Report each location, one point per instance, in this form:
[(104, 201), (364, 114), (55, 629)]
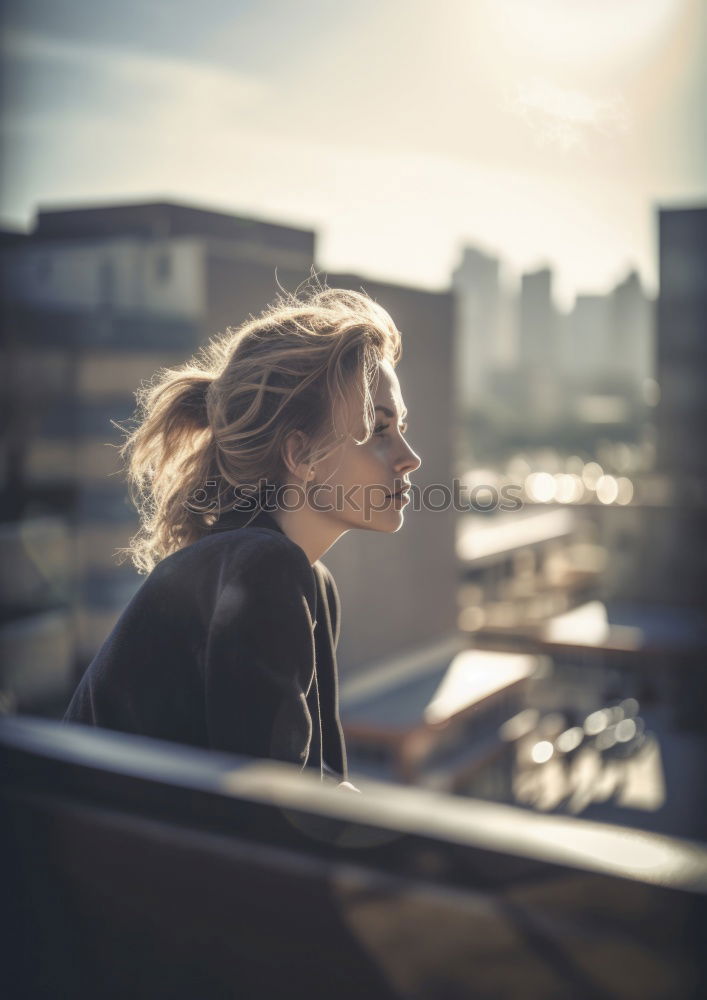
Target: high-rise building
[(667, 536), (539, 395), (587, 349), (681, 415), (537, 340), (477, 302), (632, 331)]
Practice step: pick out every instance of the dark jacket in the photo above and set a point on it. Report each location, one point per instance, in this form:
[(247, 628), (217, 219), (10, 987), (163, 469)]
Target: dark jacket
[(230, 643)]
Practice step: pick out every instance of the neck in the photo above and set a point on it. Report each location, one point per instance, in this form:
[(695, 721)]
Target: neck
[(310, 529)]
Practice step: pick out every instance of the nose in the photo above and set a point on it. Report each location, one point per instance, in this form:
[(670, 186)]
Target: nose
[(408, 461)]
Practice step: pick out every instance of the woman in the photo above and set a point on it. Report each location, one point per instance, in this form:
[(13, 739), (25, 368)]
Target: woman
[(246, 466)]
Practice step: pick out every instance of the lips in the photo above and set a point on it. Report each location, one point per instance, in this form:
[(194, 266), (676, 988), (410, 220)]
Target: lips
[(399, 493)]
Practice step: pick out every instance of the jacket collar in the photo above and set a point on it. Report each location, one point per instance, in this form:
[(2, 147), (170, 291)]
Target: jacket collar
[(229, 520)]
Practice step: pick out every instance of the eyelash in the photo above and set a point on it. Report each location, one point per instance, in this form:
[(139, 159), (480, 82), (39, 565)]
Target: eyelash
[(384, 427)]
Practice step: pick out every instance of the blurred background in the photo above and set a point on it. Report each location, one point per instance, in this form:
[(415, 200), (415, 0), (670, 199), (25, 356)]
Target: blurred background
[(524, 187)]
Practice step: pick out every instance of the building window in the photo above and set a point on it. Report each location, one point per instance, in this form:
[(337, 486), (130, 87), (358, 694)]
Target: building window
[(106, 283), (163, 267), (43, 269)]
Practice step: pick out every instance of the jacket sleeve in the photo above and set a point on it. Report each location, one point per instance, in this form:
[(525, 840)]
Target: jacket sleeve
[(259, 659), (334, 763)]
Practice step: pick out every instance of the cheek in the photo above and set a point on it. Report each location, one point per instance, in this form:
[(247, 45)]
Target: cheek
[(371, 462), (363, 464), (342, 472), (379, 457)]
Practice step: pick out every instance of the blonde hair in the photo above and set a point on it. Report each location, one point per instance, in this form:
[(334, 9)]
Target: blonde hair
[(225, 414)]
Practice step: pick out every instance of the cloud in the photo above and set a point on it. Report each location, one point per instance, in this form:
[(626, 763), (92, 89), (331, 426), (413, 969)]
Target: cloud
[(563, 118), (141, 83)]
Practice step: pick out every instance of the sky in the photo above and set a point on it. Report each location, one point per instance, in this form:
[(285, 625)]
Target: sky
[(545, 132)]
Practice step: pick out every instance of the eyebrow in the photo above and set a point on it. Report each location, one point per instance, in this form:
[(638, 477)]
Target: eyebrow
[(391, 413)]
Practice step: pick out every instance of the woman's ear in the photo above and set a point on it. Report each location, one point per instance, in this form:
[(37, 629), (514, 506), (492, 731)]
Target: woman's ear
[(294, 453)]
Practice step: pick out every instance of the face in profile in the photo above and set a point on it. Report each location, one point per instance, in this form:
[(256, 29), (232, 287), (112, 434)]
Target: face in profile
[(357, 485)]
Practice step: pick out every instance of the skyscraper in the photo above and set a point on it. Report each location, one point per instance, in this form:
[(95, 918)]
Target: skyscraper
[(477, 297)]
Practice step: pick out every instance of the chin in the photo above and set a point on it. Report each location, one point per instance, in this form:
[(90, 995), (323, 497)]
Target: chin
[(387, 522)]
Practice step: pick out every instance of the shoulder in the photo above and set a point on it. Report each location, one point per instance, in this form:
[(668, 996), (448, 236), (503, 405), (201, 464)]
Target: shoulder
[(272, 565), (259, 563), (328, 585), (268, 564), (245, 550), (263, 579)]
